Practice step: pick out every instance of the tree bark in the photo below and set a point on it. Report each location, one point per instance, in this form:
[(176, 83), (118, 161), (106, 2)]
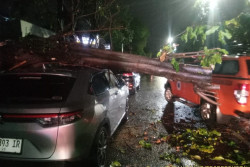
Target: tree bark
[(75, 54)]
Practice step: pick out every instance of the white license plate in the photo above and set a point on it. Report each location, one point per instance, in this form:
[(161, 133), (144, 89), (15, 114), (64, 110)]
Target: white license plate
[(9, 145)]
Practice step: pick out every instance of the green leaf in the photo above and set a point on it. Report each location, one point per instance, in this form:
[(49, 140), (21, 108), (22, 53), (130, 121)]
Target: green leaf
[(148, 145), (218, 158), (196, 157), (141, 142), (144, 144), (158, 54), (223, 35), (236, 151), (122, 150), (206, 149), (230, 161), (175, 64), (184, 37), (215, 132), (232, 143), (203, 132), (212, 30), (178, 160), (233, 22), (115, 164)]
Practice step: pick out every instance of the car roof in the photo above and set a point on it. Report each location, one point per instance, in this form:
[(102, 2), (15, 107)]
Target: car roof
[(52, 68), (232, 57)]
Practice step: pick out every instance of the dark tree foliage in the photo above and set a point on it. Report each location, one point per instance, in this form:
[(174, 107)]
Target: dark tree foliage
[(40, 12)]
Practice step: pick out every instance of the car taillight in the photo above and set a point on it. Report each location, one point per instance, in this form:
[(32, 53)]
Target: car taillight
[(130, 85), (46, 120), (127, 74), (60, 119), (69, 118), (241, 93)]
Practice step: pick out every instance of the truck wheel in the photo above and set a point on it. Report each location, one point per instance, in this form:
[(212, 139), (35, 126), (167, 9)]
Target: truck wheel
[(168, 94), (208, 113)]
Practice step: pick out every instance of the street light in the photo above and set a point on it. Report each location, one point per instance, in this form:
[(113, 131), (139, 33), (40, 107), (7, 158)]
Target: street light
[(213, 4), (170, 40)]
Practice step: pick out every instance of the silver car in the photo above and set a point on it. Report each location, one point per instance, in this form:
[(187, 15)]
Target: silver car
[(59, 113)]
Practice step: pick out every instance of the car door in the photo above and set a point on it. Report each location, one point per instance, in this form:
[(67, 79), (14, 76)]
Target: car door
[(116, 111), (100, 88)]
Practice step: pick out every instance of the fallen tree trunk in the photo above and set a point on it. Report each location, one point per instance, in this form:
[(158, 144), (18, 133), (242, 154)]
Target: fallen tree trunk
[(144, 68), (33, 51)]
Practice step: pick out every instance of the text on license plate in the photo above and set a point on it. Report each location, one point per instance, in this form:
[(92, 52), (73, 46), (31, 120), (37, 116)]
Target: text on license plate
[(9, 145)]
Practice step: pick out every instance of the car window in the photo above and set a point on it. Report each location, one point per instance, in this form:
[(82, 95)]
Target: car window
[(99, 84), (112, 80), (227, 67), (248, 66), (18, 89)]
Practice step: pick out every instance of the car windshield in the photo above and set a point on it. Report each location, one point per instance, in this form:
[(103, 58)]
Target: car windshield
[(19, 89), (227, 67)]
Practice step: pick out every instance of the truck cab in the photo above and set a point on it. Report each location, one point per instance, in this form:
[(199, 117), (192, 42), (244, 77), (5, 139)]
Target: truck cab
[(233, 78)]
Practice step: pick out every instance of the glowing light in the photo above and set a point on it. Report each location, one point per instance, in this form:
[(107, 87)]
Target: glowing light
[(213, 4), (77, 40), (170, 40), (85, 40)]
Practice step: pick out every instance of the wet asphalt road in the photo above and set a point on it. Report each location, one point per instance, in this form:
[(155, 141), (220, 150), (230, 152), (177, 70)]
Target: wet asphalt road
[(150, 117), (148, 107)]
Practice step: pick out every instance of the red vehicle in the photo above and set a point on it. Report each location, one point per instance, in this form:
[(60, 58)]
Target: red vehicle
[(233, 77), (132, 80)]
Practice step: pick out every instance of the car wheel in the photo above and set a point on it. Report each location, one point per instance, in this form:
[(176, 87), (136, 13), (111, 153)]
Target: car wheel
[(168, 94), (138, 87), (132, 91), (100, 148), (208, 113)]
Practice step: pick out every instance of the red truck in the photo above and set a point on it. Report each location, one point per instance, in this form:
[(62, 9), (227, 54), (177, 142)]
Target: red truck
[(233, 77)]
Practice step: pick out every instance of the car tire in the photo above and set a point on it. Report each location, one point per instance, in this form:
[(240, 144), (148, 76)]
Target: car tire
[(132, 91), (208, 113), (100, 148), (168, 95), (138, 87)]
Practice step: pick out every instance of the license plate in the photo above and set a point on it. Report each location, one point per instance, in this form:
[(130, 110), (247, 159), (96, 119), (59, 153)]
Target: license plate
[(9, 145)]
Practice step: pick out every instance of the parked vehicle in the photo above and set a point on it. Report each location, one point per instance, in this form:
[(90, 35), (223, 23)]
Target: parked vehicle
[(233, 77), (132, 79), (59, 113)]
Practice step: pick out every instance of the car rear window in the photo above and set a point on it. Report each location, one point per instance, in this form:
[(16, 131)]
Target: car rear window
[(227, 67), (248, 66), (23, 89)]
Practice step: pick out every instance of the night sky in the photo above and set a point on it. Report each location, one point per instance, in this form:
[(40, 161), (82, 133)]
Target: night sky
[(165, 17), (171, 17)]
